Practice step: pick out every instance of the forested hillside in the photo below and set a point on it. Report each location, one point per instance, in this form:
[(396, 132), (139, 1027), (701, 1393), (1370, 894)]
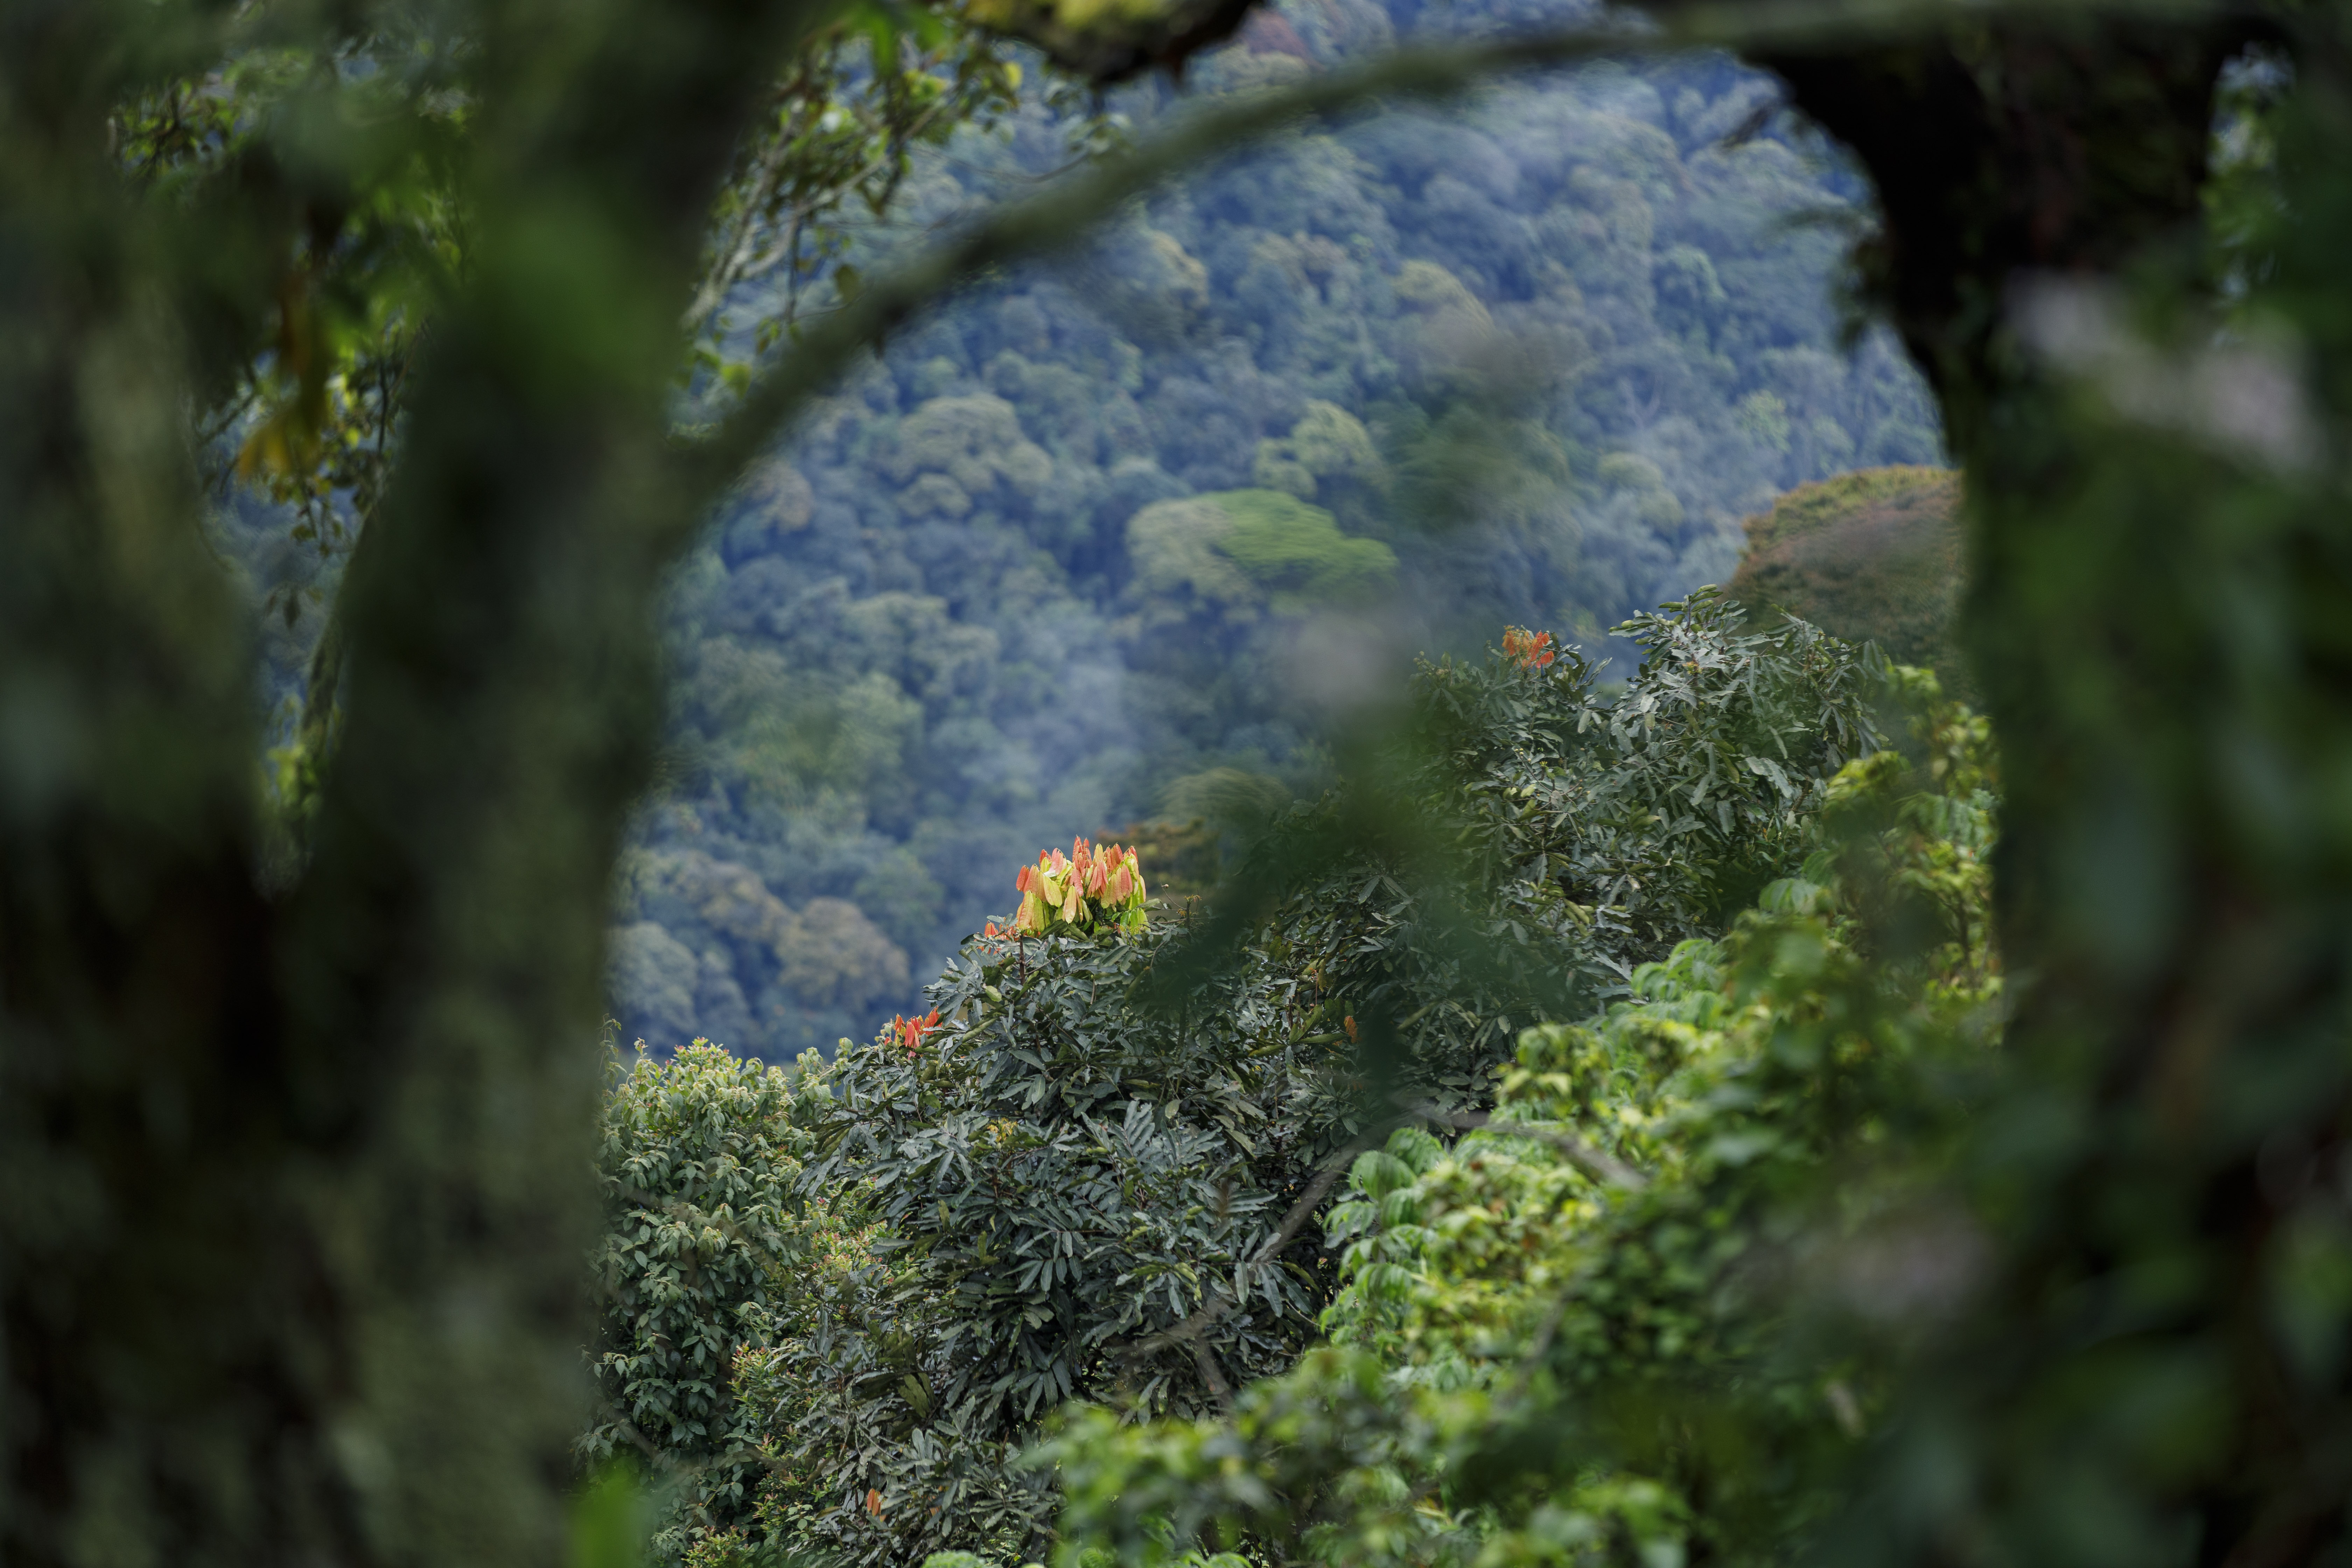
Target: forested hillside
[(1056, 561)]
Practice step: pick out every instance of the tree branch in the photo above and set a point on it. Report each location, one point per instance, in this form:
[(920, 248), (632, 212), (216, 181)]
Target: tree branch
[(1214, 1376), (1268, 1250)]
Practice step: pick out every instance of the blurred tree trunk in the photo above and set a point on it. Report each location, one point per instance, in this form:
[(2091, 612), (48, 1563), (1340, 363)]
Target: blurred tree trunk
[(2158, 633), (294, 1193), (2003, 156)]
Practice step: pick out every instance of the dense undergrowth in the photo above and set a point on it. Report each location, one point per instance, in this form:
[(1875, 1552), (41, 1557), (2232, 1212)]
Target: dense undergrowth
[(1266, 1219)]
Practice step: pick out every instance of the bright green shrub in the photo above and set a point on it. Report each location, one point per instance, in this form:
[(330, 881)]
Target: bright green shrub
[(1640, 1313), (1330, 447), (1296, 554), (1246, 552), (704, 1239), (1543, 842)]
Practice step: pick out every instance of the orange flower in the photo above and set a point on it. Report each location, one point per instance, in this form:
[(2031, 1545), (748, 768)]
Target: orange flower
[(1533, 650), (911, 1031), (1094, 886)]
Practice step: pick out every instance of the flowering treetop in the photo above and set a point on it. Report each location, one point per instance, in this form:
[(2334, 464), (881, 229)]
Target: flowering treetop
[(909, 1032), (1087, 890), (1532, 649)]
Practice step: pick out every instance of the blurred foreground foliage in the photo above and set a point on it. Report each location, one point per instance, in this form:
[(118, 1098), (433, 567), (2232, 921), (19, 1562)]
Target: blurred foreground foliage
[(1875, 557)]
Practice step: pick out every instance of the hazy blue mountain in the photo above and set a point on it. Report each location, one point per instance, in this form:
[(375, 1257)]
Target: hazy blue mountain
[(1105, 538)]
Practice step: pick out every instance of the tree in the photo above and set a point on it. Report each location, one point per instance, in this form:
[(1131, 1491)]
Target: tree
[(297, 1226), (704, 1258)]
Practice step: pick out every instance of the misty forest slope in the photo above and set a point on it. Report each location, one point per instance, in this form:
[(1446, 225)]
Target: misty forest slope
[(1098, 537)]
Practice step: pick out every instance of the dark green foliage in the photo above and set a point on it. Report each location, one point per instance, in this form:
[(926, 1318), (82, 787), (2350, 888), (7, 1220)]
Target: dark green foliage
[(704, 1255), (1528, 844), (1069, 1175), (1668, 805), (1872, 557), (1093, 1171)]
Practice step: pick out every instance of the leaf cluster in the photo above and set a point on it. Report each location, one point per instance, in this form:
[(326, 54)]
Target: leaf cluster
[(1530, 842), (703, 1261)]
